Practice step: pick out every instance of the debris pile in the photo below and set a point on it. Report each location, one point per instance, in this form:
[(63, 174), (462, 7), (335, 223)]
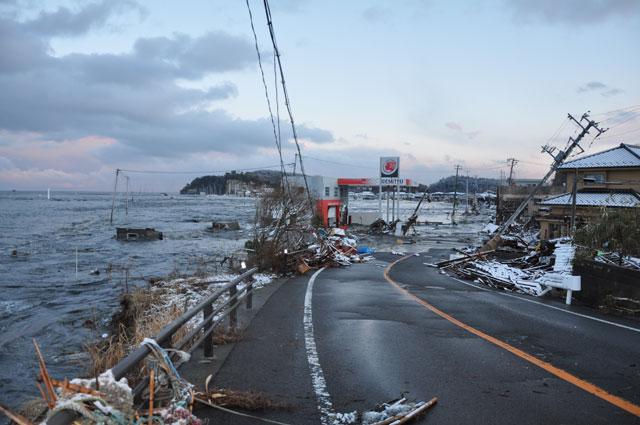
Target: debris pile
[(394, 412), (287, 237), (618, 260), (527, 273), (220, 225), (130, 234)]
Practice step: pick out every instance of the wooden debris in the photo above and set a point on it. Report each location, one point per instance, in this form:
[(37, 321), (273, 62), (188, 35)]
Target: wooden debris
[(447, 263), (68, 386), (20, 420), (407, 415), (45, 379)]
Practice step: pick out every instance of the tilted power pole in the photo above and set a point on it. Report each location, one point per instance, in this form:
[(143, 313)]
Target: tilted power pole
[(558, 159), (455, 196)]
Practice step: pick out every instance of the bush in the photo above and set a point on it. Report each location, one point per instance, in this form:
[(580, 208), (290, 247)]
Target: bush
[(612, 229)]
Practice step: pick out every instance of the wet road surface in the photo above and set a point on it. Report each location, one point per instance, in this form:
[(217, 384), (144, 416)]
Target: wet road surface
[(374, 342)]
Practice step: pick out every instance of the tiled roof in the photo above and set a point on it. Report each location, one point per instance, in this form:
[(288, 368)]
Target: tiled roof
[(621, 156), (596, 199)]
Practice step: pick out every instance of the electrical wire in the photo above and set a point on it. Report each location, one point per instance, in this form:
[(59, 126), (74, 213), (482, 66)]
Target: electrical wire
[(201, 172), (287, 102), (339, 163), (620, 134), (557, 132), (266, 90), (633, 107)]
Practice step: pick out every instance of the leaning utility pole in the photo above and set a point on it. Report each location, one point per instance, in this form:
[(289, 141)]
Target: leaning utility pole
[(466, 198), (455, 196), (113, 203), (513, 162), (574, 194), (558, 159)]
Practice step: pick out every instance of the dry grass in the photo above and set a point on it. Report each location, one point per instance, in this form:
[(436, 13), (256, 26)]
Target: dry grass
[(248, 400), (141, 316), (226, 335)]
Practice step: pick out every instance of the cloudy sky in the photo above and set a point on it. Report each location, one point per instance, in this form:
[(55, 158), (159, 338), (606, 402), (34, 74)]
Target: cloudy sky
[(90, 86)]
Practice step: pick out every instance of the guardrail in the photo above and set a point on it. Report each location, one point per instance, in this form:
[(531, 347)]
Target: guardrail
[(211, 317)]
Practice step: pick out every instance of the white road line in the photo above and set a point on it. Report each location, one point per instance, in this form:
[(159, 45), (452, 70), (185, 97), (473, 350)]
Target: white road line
[(571, 312), (470, 284), (317, 377)]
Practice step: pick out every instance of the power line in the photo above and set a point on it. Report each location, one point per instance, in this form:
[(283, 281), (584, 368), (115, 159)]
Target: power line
[(339, 163), (287, 102), (633, 107), (557, 132), (201, 172), (266, 91), (620, 134), (624, 121)]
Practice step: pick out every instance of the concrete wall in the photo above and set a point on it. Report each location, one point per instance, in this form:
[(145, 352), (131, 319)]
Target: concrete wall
[(600, 280)]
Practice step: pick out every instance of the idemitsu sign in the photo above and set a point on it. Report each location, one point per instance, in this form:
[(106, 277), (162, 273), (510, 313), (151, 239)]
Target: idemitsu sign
[(389, 166)]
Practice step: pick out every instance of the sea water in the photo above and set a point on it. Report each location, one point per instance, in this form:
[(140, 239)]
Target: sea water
[(42, 298)]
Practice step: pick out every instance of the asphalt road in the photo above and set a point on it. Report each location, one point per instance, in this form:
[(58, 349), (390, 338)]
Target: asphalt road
[(374, 342)]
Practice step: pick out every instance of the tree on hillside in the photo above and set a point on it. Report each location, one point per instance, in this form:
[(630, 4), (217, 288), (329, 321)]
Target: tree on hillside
[(476, 184)]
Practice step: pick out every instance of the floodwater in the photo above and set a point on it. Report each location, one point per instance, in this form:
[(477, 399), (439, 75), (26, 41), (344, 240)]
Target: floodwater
[(42, 240), (437, 233), (42, 297)]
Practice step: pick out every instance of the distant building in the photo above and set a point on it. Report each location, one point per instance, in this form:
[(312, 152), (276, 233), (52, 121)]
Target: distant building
[(509, 198), (609, 178), (527, 182), (241, 188), (332, 197)]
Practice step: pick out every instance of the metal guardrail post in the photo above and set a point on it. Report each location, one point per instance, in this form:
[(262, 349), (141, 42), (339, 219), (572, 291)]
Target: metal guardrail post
[(163, 338), (233, 316), (208, 341), (250, 295)]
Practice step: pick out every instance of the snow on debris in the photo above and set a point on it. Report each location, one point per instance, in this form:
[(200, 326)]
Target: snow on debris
[(117, 393), (564, 253)]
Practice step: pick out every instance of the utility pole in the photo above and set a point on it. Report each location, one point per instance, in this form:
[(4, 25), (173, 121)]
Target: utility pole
[(513, 162), (466, 198), (558, 159), (126, 199), (113, 202), (455, 196), (574, 193)]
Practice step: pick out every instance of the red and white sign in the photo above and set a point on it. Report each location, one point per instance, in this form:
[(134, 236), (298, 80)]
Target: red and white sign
[(386, 181), (389, 166)]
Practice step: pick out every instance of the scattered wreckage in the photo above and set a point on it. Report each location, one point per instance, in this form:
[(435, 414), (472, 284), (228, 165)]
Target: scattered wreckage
[(130, 234), (541, 269)]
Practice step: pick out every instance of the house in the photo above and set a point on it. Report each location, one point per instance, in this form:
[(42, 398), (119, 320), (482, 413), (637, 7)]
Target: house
[(610, 178), (509, 198)]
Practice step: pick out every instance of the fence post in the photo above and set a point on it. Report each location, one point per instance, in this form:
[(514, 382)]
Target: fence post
[(250, 295), (233, 315), (208, 341)]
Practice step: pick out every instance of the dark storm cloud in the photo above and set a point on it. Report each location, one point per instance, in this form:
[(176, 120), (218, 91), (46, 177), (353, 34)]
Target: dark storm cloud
[(133, 97), (572, 11), (20, 50)]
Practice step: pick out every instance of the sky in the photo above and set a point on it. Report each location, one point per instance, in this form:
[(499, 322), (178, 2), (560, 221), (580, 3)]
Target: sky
[(88, 87)]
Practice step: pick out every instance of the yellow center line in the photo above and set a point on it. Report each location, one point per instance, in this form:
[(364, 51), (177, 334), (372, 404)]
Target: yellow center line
[(597, 391)]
